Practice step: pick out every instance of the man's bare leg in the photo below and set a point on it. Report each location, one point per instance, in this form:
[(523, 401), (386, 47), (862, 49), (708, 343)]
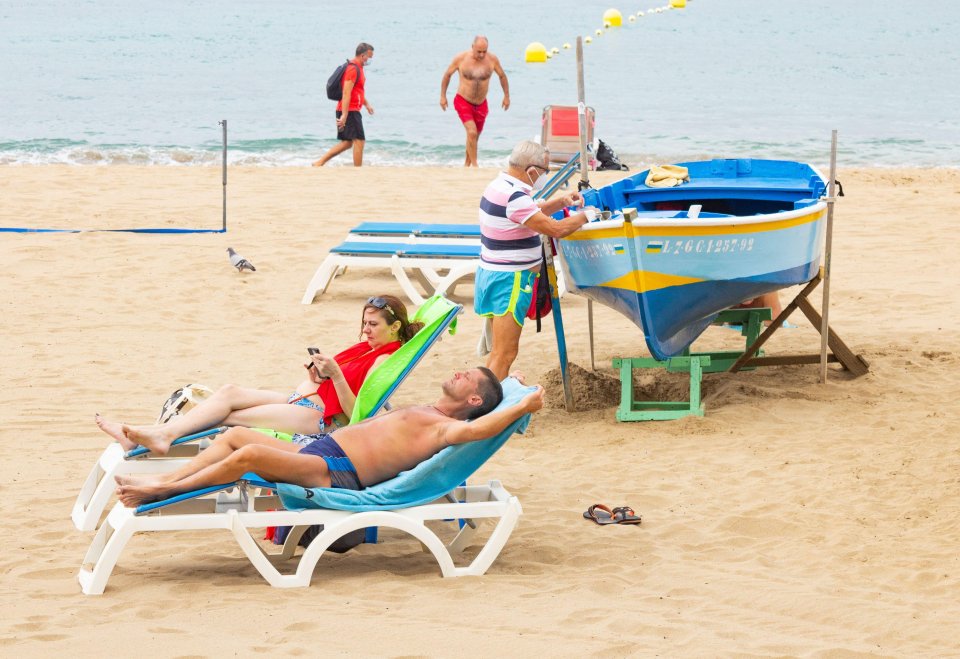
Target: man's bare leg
[(473, 137), (334, 151), (230, 441), (358, 152), (506, 345), (268, 462)]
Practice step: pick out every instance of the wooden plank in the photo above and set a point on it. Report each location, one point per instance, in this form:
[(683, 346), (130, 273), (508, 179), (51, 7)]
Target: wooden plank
[(851, 361), (776, 323)]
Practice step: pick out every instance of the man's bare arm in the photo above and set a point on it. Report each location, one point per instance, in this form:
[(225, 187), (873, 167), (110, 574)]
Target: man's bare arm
[(345, 106), (503, 82), (489, 425), (445, 82), (555, 228)]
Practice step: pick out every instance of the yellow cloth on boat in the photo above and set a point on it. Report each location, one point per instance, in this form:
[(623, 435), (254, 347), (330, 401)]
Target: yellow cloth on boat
[(666, 176)]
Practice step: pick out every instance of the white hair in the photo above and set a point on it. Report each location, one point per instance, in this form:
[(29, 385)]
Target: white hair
[(528, 153)]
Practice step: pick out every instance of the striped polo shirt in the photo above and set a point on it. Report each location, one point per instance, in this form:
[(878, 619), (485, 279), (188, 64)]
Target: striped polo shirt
[(506, 245)]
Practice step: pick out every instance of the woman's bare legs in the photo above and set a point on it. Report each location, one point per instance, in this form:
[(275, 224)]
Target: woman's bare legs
[(230, 405)]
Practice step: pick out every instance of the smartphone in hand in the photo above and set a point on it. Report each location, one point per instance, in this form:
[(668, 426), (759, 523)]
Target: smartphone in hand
[(311, 352)]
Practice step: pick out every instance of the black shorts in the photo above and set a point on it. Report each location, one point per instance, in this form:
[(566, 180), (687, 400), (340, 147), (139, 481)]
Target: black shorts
[(353, 129)]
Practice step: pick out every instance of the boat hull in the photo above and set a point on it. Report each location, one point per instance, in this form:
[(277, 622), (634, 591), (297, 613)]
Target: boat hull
[(672, 275)]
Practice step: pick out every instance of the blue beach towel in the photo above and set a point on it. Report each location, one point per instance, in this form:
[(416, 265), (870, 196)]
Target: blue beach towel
[(426, 482)]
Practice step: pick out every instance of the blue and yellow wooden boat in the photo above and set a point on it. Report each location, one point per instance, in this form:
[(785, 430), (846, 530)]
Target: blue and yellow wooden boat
[(739, 228)]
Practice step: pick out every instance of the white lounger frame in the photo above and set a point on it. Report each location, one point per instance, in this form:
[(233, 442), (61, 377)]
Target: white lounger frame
[(100, 485), (243, 512), (436, 275)]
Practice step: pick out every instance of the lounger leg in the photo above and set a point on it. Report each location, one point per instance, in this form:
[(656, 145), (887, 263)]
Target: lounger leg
[(454, 275), (501, 533), (321, 278), (401, 276), (105, 550), (100, 484)]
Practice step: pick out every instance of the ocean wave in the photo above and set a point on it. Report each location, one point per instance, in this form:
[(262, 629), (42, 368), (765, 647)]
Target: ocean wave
[(301, 152)]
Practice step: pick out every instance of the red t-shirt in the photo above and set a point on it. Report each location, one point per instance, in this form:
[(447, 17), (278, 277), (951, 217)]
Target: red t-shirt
[(354, 73), (355, 362)]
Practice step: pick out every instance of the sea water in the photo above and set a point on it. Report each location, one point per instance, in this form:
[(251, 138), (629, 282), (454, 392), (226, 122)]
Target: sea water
[(113, 81)]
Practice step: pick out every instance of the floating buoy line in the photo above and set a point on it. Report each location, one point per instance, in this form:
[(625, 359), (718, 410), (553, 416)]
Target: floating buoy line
[(612, 18)]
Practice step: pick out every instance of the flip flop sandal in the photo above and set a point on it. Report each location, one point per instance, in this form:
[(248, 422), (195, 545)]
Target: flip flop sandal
[(600, 514), (625, 515)]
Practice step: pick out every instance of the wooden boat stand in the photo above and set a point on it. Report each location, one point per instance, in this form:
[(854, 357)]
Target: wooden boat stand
[(696, 364)]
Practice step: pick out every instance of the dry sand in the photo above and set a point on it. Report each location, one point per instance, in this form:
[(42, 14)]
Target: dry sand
[(793, 519)]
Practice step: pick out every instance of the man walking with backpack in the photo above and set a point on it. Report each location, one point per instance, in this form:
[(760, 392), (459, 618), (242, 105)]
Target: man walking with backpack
[(346, 86)]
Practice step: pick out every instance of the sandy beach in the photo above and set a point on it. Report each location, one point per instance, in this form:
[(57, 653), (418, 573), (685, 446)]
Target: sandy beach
[(794, 519)]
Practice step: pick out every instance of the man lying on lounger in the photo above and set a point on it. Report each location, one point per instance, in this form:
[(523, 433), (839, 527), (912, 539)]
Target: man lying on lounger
[(352, 457)]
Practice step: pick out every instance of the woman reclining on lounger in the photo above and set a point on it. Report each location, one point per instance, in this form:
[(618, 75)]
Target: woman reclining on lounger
[(323, 401)]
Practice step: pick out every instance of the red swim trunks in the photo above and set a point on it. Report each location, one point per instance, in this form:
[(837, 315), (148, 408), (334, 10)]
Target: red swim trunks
[(470, 112)]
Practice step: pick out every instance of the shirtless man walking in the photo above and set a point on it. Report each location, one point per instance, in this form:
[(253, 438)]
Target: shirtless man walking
[(352, 457), (475, 67)]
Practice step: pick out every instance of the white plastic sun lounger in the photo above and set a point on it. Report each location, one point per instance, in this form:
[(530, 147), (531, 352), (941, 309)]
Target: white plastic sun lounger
[(438, 267), (438, 255), (248, 512), (425, 493)]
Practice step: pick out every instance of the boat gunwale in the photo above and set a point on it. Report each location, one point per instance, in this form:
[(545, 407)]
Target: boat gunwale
[(731, 220)]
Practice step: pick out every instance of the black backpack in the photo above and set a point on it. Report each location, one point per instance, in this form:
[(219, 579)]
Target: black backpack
[(608, 158), (334, 86)]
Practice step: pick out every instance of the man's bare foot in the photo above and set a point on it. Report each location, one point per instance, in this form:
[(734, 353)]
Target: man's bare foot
[(318, 163), (115, 430), (153, 439), (134, 495)]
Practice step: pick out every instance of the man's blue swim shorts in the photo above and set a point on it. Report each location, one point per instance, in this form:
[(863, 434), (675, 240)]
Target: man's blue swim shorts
[(499, 293)]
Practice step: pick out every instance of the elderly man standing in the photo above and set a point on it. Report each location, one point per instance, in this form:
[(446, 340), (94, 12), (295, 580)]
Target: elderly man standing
[(511, 224), (475, 67)]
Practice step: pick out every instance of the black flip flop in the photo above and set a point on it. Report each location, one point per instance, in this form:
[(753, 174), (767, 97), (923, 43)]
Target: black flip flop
[(600, 514), (625, 515)]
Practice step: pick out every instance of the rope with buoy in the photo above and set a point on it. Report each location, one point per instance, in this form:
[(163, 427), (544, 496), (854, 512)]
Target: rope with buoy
[(612, 18)]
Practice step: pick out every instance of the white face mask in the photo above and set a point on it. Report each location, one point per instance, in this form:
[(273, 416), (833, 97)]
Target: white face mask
[(541, 181)]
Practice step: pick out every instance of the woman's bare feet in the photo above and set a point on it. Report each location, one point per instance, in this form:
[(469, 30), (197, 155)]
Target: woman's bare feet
[(115, 430), (134, 495), (154, 439)]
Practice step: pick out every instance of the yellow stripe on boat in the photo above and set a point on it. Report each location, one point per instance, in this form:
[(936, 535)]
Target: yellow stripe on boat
[(628, 230), (641, 281)]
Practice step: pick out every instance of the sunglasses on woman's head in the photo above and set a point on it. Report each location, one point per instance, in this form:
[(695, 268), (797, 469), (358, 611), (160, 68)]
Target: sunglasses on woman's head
[(380, 303)]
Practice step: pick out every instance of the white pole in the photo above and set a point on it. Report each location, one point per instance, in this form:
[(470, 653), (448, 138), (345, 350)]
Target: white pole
[(825, 309), (223, 122), (582, 119)]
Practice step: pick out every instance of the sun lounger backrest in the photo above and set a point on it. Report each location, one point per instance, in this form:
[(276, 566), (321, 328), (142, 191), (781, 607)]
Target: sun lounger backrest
[(437, 315)]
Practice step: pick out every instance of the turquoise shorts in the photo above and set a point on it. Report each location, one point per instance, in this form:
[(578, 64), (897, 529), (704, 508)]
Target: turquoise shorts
[(500, 293)]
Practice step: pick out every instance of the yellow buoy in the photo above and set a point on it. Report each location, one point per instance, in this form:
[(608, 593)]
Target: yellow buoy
[(536, 52), (639, 14), (632, 19), (554, 51), (566, 46), (679, 4), (587, 40), (598, 32), (613, 17)]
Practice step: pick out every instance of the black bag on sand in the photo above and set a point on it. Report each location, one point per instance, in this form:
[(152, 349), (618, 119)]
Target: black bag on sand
[(608, 158)]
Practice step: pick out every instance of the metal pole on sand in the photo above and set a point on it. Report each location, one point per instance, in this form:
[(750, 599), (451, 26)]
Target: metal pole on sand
[(223, 122), (584, 167), (825, 309)]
